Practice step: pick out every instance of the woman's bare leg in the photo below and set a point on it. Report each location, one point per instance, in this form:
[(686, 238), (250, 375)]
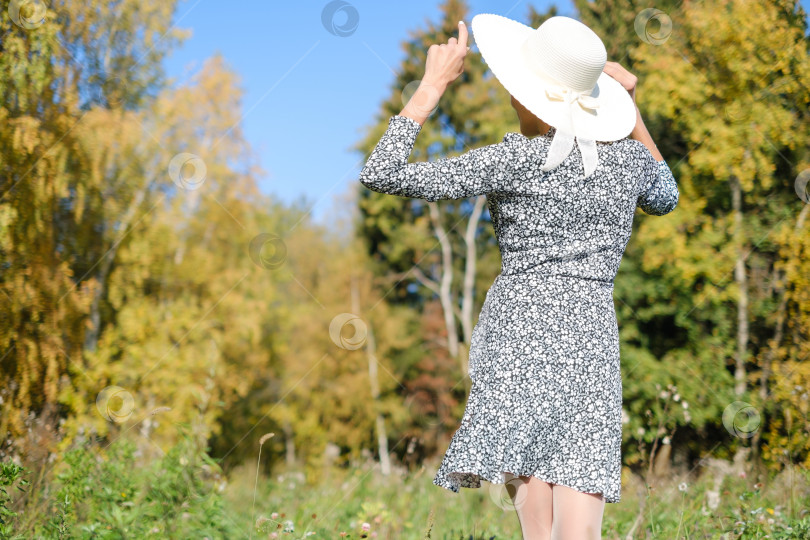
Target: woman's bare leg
[(531, 498), (577, 515)]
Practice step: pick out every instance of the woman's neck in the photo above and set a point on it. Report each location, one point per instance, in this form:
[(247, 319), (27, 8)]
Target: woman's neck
[(538, 127)]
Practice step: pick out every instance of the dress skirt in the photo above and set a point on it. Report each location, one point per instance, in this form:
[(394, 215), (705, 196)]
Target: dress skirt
[(546, 394)]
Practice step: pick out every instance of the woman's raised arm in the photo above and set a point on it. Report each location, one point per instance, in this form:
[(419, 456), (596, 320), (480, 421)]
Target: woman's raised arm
[(629, 81)]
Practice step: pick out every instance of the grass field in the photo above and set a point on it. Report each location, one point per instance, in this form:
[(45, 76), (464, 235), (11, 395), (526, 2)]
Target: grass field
[(120, 492), (411, 506)]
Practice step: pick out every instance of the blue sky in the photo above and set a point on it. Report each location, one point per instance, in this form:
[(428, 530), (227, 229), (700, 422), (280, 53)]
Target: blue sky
[(309, 93)]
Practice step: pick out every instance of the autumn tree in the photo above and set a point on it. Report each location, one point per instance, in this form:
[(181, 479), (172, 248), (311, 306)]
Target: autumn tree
[(57, 65), (732, 82)]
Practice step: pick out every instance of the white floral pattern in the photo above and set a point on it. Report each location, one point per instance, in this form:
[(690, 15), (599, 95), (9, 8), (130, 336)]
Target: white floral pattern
[(546, 398)]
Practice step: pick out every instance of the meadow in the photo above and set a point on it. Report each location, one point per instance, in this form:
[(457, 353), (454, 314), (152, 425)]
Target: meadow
[(161, 315), (113, 493)]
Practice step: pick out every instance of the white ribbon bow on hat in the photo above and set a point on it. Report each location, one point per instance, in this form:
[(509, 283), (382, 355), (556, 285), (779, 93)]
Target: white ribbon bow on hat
[(563, 143)]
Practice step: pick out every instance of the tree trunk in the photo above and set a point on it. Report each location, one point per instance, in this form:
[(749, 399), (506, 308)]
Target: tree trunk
[(374, 383), (468, 299), (92, 334), (445, 296), (289, 444), (742, 284), (468, 293)]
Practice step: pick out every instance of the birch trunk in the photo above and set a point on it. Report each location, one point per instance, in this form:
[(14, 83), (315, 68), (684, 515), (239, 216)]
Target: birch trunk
[(741, 279), (374, 382)]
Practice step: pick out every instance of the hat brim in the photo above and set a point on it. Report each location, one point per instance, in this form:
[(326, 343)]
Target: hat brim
[(499, 40)]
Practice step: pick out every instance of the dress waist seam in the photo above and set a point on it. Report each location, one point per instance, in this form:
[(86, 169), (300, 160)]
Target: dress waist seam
[(559, 275)]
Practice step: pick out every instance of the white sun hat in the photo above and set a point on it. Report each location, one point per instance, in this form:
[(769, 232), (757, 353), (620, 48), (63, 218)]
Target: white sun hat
[(556, 72)]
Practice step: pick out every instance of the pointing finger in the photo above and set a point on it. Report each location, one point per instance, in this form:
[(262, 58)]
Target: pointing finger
[(462, 34)]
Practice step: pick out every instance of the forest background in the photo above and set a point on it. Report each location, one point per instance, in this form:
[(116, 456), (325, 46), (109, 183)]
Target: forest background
[(174, 342)]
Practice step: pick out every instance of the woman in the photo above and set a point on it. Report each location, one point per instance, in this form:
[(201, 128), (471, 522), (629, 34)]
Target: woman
[(544, 410)]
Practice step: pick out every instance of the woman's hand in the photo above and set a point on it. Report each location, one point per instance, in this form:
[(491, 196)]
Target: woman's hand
[(624, 77), (629, 81), (444, 64)]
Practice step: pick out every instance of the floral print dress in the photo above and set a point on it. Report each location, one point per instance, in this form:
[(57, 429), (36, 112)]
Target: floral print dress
[(546, 395)]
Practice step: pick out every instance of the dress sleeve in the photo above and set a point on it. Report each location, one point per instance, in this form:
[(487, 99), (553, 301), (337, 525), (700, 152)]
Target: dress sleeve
[(476, 172), (659, 191)]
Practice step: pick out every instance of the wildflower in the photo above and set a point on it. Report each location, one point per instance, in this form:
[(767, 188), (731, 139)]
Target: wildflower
[(682, 486), (378, 519), (676, 397), (342, 533), (366, 527), (273, 535), (666, 440), (742, 474), (274, 515), (770, 511), (374, 534), (685, 404)]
